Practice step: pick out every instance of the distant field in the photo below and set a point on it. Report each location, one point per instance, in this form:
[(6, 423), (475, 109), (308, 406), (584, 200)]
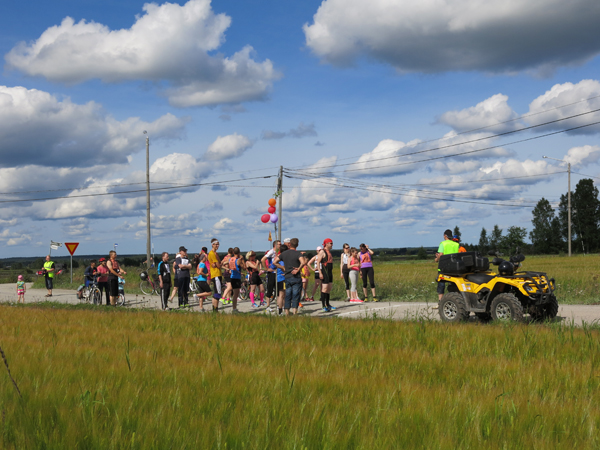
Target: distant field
[(578, 279), (112, 379)]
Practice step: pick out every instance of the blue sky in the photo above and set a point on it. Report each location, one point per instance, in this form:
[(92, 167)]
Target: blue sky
[(338, 91)]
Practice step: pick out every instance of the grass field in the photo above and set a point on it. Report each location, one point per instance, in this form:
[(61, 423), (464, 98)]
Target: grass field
[(122, 379), (578, 279)]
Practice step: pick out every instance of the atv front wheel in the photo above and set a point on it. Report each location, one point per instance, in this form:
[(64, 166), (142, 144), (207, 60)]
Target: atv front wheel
[(506, 307), (547, 311), (452, 308)]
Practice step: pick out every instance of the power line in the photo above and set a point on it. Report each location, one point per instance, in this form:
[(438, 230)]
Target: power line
[(136, 191), (468, 152), (482, 128)]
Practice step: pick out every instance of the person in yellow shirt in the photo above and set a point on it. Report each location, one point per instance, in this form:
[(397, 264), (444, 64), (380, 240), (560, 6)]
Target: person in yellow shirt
[(215, 273), (447, 247)]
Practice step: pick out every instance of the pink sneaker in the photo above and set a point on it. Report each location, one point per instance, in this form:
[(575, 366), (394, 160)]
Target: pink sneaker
[(356, 300)]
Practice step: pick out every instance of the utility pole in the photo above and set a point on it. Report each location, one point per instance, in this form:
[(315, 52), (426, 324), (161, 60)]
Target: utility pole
[(280, 193), (147, 200), (568, 199)]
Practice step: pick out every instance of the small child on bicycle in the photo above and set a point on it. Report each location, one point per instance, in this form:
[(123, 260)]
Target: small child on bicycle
[(90, 273), (20, 289)]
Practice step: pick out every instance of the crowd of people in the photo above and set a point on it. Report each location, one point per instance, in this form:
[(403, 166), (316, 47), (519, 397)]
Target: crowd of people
[(287, 271)]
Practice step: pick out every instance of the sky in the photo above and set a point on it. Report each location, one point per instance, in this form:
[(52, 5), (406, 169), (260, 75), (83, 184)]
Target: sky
[(392, 119)]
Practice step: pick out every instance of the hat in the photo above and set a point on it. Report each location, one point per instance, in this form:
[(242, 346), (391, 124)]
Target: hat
[(20, 277), (102, 260), (286, 240), (319, 248), (182, 249), (327, 241)]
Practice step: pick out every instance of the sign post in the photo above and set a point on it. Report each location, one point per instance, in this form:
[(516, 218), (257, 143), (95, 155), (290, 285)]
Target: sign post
[(71, 246)]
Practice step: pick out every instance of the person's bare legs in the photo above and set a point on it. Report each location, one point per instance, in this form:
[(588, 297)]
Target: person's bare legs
[(234, 299), (317, 284)]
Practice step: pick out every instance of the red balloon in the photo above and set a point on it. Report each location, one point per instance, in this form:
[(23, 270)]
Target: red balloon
[(272, 202), (265, 218), (271, 209)]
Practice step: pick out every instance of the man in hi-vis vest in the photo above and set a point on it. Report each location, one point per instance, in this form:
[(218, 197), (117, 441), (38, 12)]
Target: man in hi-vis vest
[(447, 247), (49, 274)]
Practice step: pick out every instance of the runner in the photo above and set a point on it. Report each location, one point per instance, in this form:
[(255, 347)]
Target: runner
[(215, 273), (203, 286), (164, 279), (183, 276), (226, 300), (366, 270), (254, 266), (313, 263), (354, 268), (325, 260), (236, 265), (267, 262), (344, 271), (280, 280)]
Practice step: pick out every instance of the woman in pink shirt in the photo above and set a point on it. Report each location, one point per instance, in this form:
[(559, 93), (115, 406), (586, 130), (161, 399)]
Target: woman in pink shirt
[(103, 279)]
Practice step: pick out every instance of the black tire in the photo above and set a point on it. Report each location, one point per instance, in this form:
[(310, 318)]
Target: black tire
[(243, 295), (506, 307), (452, 308), (193, 286), (547, 311), (96, 297), (146, 287), (484, 317)]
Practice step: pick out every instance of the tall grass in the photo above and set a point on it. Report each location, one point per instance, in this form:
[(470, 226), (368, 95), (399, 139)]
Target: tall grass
[(137, 379), (578, 279)]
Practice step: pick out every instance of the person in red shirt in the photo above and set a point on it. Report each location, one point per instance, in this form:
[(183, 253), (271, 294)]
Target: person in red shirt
[(103, 279)]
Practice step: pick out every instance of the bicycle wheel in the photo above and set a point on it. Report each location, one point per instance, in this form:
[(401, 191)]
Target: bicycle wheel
[(146, 287), (193, 286), (243, 291), (121, 300), (96, 297)]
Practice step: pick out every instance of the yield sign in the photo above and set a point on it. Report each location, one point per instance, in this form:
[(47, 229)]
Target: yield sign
[(71, 246)]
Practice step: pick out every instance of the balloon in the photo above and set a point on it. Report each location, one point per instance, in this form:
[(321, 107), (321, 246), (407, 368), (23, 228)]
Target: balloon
[(265, 218), (274, 218), (272, 202), (271, 209)]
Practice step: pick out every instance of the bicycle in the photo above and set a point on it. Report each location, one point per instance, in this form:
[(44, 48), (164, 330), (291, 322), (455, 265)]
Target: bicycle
[(91, 293), (149, 286), (121, 297)]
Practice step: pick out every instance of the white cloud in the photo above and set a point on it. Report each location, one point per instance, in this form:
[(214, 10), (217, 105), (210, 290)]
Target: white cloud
[(545, 108), (300, 131), (185, 224), (227, 147), (37, 128), (11, 238), (488, 114), (457, 35), (584, 155), (168, 43)]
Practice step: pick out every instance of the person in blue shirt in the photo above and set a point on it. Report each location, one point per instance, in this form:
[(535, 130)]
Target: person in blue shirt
[(90, 273), (280, 280), (236, 265), (203, 286)]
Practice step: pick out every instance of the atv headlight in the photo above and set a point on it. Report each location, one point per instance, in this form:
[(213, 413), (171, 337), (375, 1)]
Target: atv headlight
[(529, 288)]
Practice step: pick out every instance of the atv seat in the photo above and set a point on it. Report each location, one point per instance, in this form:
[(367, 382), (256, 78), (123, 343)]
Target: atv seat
[(479, 278)]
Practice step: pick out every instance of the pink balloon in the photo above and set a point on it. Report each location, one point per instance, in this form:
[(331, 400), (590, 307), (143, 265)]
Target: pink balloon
[(274, 218), (265, 218), (271, 209)]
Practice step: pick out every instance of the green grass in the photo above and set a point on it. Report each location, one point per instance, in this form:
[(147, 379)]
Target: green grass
[(578, 279), (124, 379)]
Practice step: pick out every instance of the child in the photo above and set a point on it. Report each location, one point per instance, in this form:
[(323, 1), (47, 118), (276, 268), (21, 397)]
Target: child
[(20, 289)]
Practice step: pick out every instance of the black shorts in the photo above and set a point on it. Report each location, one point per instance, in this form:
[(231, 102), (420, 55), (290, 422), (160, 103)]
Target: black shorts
[(203, 287), (49, 283), (317, 276), (280, 286), (328, 274), (236, 283), (114, 286), (227, 279), (255, 279)]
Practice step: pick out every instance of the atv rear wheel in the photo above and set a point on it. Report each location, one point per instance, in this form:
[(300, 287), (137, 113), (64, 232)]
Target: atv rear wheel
[(452, 308), (506, 307), (547, 311)]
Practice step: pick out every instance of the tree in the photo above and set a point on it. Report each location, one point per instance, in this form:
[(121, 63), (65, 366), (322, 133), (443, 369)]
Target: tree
[(422, 253), (484, 242), (586, 215), (514, 238), (546, 235), (457, 232), (496, 238)]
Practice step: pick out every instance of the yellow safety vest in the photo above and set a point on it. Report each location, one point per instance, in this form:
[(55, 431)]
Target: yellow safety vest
[(48, 266)]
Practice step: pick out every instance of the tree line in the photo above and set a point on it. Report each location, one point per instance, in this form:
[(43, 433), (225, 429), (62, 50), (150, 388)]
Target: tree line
[(549, 234)]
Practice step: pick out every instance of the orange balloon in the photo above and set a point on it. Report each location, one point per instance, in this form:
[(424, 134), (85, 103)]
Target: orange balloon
[(272, 202)]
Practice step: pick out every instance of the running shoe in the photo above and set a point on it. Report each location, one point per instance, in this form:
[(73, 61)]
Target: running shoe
[(300, 305), (332, 308), (254, 305), (325, 310), (235, 311), (356, 300), (375, 300), (263, 303)]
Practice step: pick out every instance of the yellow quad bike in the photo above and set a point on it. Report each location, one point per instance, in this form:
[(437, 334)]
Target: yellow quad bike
[(502, 295)]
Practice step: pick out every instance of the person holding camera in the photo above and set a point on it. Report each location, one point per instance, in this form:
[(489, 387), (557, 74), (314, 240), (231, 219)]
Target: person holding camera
[(48, 271)]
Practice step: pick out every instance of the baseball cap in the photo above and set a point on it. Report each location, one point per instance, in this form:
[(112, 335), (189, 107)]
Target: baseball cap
[(327, 241), (182, 249), (319, 248), (102, 260), (286, 240)]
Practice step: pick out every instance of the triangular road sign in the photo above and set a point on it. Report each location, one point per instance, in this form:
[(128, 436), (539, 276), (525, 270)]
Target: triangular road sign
[(71, 246)]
